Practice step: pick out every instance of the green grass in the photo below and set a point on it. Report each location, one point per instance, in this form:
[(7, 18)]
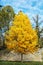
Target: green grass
[(20, 63)]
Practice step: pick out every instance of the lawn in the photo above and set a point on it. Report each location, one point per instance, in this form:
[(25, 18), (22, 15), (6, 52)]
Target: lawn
[(19, 63)]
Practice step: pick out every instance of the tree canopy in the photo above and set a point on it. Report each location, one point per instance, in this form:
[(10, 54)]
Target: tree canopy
[(21, 37)]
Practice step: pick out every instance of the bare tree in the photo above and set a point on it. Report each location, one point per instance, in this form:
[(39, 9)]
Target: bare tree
[(37, 27)]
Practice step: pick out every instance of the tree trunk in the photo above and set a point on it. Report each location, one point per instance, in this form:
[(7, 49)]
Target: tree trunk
[(21, 57), (1, 41)]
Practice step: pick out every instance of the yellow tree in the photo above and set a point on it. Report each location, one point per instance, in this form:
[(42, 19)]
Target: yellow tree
[(21, 37)]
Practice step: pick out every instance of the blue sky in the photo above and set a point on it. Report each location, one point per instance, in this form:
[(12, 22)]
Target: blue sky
[(29, 7)]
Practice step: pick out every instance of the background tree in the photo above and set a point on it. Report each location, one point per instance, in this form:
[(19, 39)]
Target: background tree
[(6, 16), (0, 29), (36, 20), (21, 37)]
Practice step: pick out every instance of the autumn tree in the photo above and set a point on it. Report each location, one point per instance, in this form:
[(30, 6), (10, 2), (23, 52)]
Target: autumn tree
[(21, 37)]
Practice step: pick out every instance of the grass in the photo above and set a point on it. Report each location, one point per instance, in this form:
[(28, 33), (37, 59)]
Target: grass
[(20, 63)]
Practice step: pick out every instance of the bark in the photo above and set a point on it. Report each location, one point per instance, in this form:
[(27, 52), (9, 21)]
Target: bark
[(21, 57), (1, 41)]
